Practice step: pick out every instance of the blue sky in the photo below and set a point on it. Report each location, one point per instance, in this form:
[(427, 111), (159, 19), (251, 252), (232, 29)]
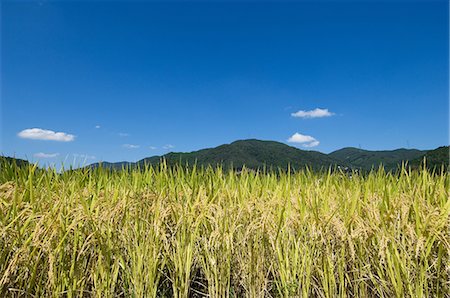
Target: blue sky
[(127, 80)]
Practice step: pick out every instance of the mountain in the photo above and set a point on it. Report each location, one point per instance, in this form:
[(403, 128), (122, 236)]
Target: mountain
[(254, 154), (366, 160), (434, 159), (257, 154)]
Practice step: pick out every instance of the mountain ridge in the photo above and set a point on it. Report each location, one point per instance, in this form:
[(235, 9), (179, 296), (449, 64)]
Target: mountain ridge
[(263, 154), (258, 154), (368, 159), (433, 159), (252, 153)]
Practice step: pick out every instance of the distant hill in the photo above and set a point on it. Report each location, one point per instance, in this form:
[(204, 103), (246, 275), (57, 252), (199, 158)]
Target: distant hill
[(366, 160), (257, 154), (434, 159), (254, 154)]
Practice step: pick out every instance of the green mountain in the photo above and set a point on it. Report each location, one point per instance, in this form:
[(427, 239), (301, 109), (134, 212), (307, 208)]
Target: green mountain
[(434, 159), (366, 160), (254, 154)]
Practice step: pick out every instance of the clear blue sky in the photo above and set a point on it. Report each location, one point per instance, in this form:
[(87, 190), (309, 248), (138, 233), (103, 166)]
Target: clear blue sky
[(127, 80)]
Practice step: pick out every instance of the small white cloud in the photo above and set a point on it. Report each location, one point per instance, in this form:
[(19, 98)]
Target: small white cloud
[(123, 134), (316, 113), (152, 147), (97, 126), (46, 135), (130, 146), (306, 141), (312, 144), (168, 146), (45, 155)]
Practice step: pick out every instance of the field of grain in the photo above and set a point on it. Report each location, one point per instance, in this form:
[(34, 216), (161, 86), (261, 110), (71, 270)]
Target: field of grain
[(179, 232)]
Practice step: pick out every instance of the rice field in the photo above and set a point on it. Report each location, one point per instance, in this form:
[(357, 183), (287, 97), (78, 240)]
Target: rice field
[(189, 232)]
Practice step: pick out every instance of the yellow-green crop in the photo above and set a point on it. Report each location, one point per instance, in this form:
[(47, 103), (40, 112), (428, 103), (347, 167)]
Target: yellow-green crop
[(180, 232)]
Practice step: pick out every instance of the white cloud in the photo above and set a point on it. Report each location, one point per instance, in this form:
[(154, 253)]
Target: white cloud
[(168, 146), (47, 135), (45, 155), (97, 126), (130, 146), (312, 144), (306, 141), (152, 147), (123, 134), (316, 113)]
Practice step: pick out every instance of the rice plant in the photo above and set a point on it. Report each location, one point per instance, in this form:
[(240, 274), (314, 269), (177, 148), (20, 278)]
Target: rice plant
[(206, 232)]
